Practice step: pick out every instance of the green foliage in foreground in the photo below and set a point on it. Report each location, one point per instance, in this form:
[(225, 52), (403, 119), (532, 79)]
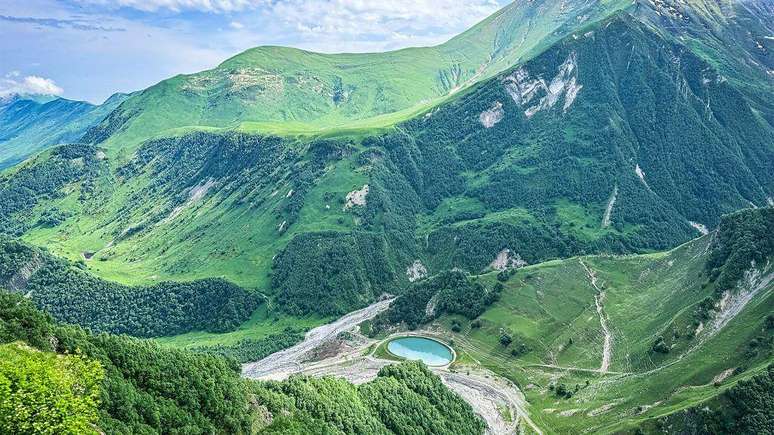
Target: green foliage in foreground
[(146, 389), (143, 388), (45, 393), (405, 398), (74, 296)]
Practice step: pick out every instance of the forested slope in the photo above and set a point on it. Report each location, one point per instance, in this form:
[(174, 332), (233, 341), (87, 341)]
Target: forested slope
[(126, 385), (74, 296), (612, 140)]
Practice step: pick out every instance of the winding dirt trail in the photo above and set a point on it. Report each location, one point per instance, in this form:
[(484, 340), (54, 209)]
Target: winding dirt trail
[(607, 349)]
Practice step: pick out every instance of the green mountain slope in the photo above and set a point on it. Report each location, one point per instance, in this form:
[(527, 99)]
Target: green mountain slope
[(555, 134), (613, 140), (72, 296), (290, 90), (29, 124), (603, 344)]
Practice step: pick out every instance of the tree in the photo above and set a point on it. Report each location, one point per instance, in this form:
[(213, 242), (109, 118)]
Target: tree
[(45, 393)]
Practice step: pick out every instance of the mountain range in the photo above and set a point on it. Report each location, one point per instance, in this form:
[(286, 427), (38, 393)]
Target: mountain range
[(592, 179)]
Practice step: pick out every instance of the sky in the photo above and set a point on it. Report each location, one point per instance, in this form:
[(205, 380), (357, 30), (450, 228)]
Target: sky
[(90, 49)]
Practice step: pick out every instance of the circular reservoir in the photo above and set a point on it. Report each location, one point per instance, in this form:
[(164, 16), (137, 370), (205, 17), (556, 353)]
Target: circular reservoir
[(431, 352)]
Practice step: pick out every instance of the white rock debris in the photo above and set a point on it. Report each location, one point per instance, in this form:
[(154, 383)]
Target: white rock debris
[(416, 271), (357, 198), (754, 281), (194, 195), (640, 173), (770, 201), (536, 94), (699, 227), (507, 259), (290, 193), (495, 114), (606, 219)]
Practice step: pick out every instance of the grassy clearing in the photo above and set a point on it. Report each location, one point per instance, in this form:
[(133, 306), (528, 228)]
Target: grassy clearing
[(263, 323)]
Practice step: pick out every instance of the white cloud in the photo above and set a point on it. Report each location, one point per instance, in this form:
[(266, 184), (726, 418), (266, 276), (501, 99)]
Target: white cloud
[(28, 85), (236, 25), (217, 6)]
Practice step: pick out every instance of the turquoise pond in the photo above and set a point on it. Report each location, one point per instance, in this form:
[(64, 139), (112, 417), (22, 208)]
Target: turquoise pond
[(426, 350)]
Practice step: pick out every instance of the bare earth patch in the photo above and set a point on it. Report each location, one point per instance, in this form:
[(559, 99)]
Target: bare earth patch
[(357, 198), (507, 259), (700, 228), (537, 94), (416, 271), (490, 118)]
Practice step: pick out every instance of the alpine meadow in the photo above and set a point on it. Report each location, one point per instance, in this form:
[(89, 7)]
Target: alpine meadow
[(560, 221)]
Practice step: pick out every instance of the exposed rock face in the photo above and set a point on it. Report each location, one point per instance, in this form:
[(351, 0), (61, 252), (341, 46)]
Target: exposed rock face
[(195, 195), (19, 280), (490, 118), (416, 271), (357, 198), (641, 174), (507, 259), (537, 94), (607, 218), (700, 228)]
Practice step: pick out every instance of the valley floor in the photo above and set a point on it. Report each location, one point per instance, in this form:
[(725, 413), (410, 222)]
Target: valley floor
[(339, 350), (588, 325)]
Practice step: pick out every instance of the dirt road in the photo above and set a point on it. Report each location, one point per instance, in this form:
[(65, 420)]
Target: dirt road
[(498, 401), (284, 363)]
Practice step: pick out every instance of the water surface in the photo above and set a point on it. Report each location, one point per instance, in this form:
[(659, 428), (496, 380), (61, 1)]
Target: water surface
[(429, 351)]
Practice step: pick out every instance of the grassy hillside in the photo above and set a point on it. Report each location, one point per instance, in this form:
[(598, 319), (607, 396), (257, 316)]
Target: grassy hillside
[(29, 125), (674, 338), (287, 90), (613, 140)]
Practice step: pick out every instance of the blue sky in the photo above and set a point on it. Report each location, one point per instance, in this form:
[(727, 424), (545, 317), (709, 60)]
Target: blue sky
[(89, 49)]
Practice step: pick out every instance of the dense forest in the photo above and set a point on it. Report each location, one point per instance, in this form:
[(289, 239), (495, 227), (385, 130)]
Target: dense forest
[(74, 296), (146, 388), (451, 292), (332, 273), (744, 239), (132, 386), (43, 179), (405, 398)]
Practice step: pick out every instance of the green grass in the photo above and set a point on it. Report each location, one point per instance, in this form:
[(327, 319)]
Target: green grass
[(261, 324), (292, 92), (646, 296)]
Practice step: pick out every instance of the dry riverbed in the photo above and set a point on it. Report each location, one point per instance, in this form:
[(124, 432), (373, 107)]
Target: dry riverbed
[(339, 350)]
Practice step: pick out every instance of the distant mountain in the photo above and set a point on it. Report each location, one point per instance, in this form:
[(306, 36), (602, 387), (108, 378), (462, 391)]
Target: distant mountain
[(614, 139), (290, 90), (553, 130), (31, 123)]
